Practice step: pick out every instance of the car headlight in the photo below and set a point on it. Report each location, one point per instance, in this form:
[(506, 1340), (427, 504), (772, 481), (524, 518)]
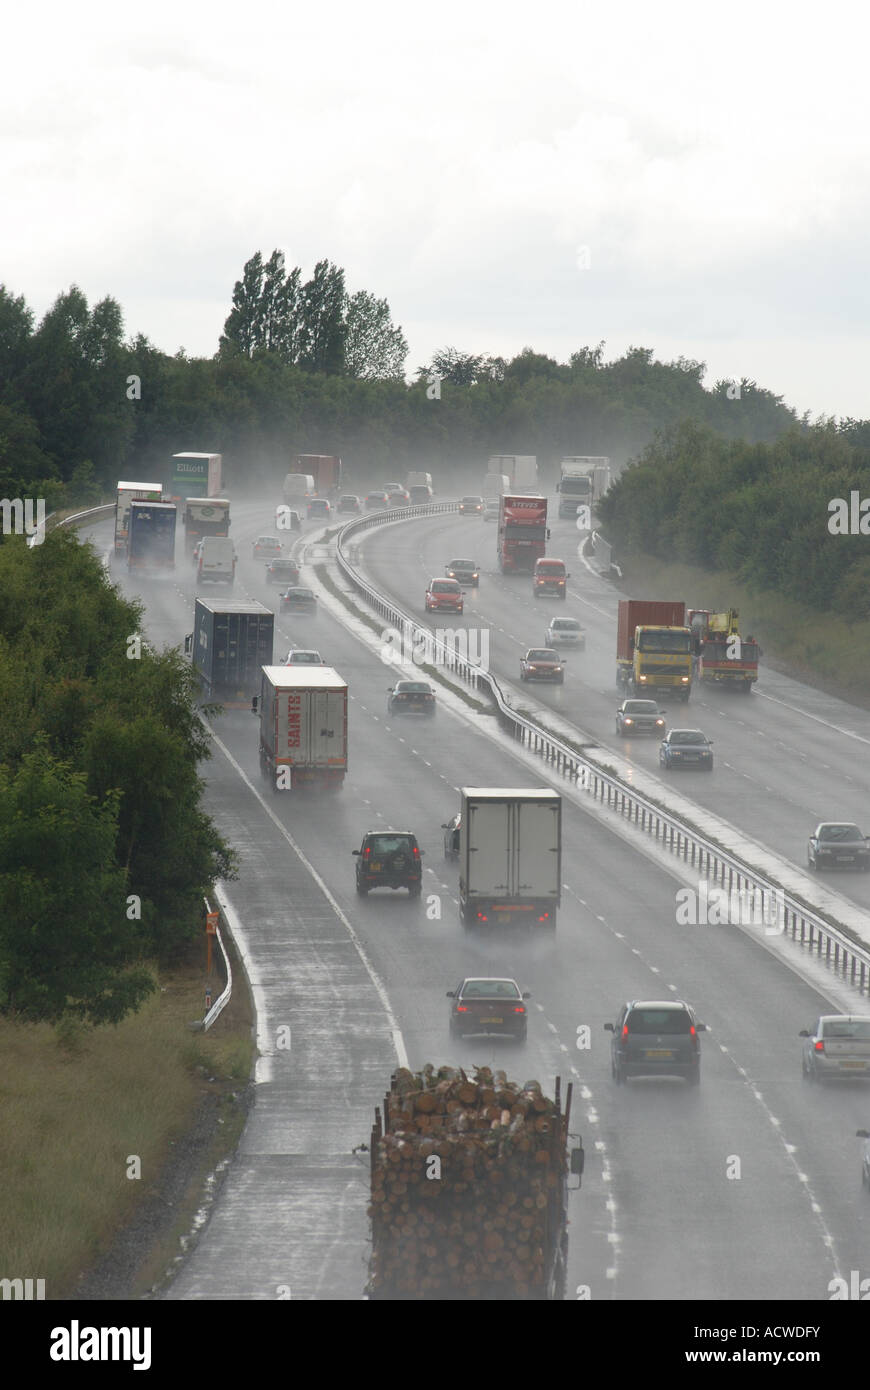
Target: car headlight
[(660, 723), (685, 680), (628, 721)]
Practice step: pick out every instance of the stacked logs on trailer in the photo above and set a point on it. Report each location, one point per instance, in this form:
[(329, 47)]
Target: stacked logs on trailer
[(468, 1181)]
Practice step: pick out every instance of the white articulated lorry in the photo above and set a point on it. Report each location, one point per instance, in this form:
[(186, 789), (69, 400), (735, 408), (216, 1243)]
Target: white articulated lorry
[(510, 855), (303, 727)]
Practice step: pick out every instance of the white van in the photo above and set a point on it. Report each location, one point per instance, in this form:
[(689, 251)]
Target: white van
[(217, 560)]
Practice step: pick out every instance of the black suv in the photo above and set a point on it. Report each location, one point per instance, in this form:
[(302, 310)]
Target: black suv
[(653, 1037), (389, 859)]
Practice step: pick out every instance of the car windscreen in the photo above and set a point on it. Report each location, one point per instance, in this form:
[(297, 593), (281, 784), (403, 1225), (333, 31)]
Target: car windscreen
[(542, 655), (414, 687), (445, 586), (687, 736), (389, 844), (565, 625), (846, 1028), (840, 833), (640, 707), (490, 989), (659, 1021)]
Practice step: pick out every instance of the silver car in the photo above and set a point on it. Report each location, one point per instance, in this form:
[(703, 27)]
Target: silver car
[(565, 632), (838, 1045)]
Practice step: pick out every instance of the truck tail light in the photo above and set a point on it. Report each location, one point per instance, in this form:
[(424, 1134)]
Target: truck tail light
[(544, 917), (482, 917), (820, 1046)]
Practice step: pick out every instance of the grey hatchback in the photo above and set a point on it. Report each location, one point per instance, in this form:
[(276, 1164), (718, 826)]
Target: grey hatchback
[(652, 1037)]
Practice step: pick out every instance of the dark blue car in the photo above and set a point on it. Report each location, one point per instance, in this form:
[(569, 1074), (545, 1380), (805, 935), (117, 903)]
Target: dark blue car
[(686, 748)]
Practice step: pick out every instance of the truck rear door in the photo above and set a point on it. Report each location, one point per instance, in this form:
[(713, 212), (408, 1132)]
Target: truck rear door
[(488, 851), (326, 728), (535, 859)]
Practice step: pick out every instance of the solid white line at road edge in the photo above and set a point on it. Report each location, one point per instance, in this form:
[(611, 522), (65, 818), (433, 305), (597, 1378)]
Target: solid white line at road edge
[(398, 1040)]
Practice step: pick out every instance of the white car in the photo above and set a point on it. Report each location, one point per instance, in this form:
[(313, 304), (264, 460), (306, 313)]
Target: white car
[(565, 631), (299, 657)]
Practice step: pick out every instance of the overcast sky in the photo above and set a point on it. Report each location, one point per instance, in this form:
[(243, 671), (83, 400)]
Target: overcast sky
[(683, 177)]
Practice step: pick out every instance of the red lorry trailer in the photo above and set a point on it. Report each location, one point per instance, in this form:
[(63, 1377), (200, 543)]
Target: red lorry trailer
[(522, 532), (325, 469)]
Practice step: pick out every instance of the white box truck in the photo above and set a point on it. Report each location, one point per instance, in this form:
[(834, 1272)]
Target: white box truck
[(510, 856), (303, 727)]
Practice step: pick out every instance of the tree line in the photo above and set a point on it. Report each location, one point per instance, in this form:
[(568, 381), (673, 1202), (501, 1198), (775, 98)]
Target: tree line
[(304, 366), (780, 514), (105, 851)]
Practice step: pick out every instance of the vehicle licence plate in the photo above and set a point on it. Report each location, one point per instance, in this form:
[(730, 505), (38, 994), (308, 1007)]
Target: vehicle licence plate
[(492, 1020), (658, 1052), (845, 858), (856, 1066), (374, 867)]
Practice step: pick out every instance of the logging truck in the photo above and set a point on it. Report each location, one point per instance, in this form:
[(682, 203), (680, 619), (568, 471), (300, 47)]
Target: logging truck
[(469, 1187)]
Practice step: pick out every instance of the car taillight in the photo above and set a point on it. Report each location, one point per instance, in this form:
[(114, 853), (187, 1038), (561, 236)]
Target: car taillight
[(624, 1031), (367, 851), (416, 852), (462, 1008), (819, 1047), (519, 1009)]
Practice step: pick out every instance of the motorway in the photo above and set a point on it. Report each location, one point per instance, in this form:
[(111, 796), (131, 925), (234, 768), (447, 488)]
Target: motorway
[(747, 1187)]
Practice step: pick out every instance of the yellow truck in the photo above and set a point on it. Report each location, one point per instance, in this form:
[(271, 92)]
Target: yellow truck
[(653, 648)]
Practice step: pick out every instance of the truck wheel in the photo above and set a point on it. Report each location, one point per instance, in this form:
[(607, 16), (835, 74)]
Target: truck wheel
[(414, 890), (362, 889)]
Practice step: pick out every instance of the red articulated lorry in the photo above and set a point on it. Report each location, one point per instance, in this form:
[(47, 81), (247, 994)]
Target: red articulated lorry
[(522, 532)]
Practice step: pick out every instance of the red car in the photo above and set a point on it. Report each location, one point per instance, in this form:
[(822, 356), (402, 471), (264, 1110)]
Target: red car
[(444, 593), (542, 664)]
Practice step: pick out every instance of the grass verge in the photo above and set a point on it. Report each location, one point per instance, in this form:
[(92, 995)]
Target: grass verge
[(81, 1106)]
